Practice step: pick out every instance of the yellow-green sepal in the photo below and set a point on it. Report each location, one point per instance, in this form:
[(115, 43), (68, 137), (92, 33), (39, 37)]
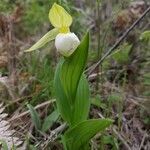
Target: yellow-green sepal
[(49, 36), (59, 17)]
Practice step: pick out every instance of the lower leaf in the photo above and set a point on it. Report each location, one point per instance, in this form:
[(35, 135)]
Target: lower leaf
[(78, 136)]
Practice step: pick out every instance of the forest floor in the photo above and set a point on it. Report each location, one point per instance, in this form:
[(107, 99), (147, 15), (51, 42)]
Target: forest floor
[(119, 86)]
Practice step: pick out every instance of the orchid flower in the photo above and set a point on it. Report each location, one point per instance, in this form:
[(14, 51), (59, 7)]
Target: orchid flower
[(66, 42)]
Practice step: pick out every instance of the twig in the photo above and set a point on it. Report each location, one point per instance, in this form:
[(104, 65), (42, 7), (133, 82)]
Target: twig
[(18, 100), (27, 112), (93, 67), (142, 143), (54, 134), (58, 130), (94, 75)]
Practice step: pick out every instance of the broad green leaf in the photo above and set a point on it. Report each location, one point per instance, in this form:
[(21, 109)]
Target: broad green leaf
[(82, 102), (49, 36), (3, 144), (49, 120), (80, 110), (73, 67), (35, 117), (59, 17), (78, 136), (66, 82), (61, 98)]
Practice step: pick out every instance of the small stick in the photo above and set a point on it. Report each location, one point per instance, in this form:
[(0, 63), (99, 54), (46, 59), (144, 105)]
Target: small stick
[(93, 67), (142, 143), (56, 131), (54, 134), (37, 107)]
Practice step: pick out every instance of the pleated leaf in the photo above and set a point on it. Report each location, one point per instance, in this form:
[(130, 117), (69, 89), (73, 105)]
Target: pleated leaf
[(73, 68), (66, 82), (61, 98), (77, 138), (82, 101)]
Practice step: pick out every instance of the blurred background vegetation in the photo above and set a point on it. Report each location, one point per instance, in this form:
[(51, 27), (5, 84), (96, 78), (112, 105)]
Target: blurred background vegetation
[(120, 86)]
